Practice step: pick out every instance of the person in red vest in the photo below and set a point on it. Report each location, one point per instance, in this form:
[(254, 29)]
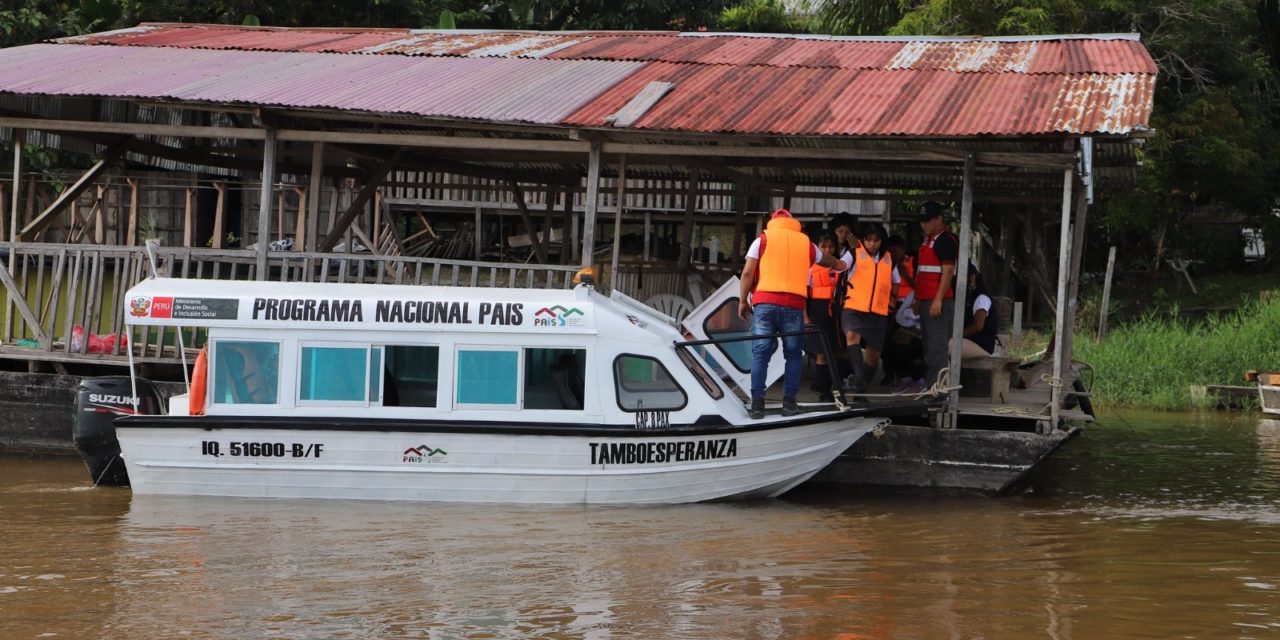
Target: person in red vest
[(865, 317), (935, 277), (819, 314), (775, 281)]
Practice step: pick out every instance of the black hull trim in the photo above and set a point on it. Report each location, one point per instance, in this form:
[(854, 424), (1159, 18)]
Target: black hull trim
[(706, 425), (924, 460)]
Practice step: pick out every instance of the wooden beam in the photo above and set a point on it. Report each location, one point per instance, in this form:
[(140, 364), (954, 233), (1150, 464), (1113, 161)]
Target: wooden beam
[(73, 192), (686, 228), (593, 204), (189, 217), (133, 128), (518, 194), (372, 180), (1060, 320), (546, 222), (300, 226), (219, 216), (264, 200), (1073, 273), (617, 221), (7, 279), (313, 197), (131, 237), (962, 290), (16, 189)]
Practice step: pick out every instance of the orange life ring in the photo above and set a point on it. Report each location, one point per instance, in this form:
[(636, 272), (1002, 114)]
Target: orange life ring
[(199, 385)]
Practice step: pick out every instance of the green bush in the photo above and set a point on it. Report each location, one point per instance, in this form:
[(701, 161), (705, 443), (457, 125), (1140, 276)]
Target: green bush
[(1153, 361)]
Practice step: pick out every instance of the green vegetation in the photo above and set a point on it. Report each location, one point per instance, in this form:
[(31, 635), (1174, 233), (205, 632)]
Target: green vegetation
[(1153, 361)]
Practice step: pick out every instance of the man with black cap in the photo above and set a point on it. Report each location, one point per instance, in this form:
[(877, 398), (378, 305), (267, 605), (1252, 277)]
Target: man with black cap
[(776, 276), (935, 276)]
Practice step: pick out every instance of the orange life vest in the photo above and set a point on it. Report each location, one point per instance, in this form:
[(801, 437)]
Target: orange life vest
[(904, 287), (199, 385), (870, 284), (785, 257), (822, 283)]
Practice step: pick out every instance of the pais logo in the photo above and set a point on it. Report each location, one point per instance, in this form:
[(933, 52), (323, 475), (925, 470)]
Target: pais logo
[(558, 316), (425, 453)]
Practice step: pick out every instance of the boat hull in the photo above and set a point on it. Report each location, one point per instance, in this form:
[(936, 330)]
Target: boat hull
[(924, 460), (454, 466)]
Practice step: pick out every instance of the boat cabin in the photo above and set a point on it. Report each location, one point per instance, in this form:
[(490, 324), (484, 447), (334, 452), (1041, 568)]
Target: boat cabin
[(435, 353)]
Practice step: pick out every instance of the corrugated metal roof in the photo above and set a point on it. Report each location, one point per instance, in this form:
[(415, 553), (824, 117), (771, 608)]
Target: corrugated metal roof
[(879, 102), (1050, 54), (537, 91), (750, 84)]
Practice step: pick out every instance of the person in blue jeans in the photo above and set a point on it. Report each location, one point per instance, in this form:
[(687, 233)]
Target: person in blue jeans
[(774, 286)]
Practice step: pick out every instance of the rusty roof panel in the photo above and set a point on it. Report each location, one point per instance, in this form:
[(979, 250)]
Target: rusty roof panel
[(538, 91), (879, 102), (1050, 54)]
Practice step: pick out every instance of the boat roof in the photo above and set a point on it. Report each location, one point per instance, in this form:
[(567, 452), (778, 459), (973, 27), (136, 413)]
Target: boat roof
[(380, 307)]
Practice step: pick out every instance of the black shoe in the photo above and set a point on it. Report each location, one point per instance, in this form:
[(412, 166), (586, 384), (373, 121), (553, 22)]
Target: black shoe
[(853, 384), (789, 407), (826, 396), (757, 408)]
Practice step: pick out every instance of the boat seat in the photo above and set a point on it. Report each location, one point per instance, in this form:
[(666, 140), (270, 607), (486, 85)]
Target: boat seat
[(988, 377), (567, 382)]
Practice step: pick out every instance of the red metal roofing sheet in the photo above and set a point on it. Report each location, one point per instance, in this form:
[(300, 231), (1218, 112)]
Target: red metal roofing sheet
[(878, 102), (538, 91), (723, 83), (1048, 55)]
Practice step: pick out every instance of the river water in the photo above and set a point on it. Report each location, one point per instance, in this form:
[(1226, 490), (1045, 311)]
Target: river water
[(1147, 526)]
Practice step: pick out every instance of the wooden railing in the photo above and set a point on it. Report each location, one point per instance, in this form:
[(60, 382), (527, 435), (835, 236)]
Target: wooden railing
[(59, 287)]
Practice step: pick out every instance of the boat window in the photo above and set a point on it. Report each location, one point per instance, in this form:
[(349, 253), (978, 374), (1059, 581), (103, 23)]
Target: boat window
[(725, 323), (412, 376), (643, 384), (554, 378), (700, 372), (488, 377), (336, 374), (246, 372)]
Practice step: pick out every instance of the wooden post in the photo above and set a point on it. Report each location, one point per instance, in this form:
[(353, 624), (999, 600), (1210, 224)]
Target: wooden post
[(18, 300), (1015, 334), (476, 236), (300, 226), (71, 193), (569, 235), (686, 228), (15, 190), (617, 220), (648, 230), (517, 194), (740, 218), (593, 203), (280, 215), (1073, 274), (100, 214), (1060, 321), (132, 237), (264, 200), (546, 223), (962, 289), (189, 217), (219, 216), (313, 197), (372, 180), (1106, 293)]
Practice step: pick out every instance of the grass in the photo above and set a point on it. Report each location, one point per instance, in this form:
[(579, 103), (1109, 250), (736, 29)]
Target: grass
[(1152, 361)]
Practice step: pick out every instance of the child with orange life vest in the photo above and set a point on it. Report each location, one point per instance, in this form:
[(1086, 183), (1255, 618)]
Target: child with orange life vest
[(872, 282), (818, 312)]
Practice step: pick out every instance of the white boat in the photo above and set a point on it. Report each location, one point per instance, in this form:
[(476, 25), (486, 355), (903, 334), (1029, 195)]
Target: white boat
[(1268, 390), (456, 394)]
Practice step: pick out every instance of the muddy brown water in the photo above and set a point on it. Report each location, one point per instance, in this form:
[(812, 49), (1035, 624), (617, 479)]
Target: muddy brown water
[(1148, 526)]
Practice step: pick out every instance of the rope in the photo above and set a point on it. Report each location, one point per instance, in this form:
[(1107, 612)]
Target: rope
[(937, 389), (105, 469)]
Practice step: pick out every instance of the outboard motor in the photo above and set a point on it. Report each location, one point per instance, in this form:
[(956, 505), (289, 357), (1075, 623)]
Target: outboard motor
[(99, 402)]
